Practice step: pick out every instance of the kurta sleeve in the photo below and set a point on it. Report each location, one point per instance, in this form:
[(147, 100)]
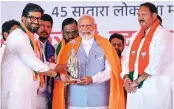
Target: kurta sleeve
[(21, 45), (160, 48), (125, 63), (103, 76), (51, 65)]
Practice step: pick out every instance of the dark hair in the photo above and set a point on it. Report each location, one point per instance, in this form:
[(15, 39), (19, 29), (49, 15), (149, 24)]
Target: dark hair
[(116, 35), (160, 19), (6, 26), (152, 7), (68, 21), (31, 7), (47, 17)]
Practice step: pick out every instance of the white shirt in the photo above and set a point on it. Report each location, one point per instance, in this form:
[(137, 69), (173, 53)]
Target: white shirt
[(19, 90), (2, 51), (43, 45), (42, 97), (99, 77)]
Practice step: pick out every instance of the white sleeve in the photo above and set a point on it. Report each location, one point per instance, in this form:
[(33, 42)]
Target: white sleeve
[(51, 65), (103, 76), (125, 57), (23, 48), (160, 52), (125, 63)]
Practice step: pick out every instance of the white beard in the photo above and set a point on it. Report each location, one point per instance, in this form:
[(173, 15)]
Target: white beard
[(86, 37)]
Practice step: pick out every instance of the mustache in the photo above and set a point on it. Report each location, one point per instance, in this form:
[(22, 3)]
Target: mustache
[(44, 32), (86, 31), (35, 24), (141, 20)]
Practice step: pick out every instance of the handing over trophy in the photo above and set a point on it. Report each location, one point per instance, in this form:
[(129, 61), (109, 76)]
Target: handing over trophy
[(73, 65)]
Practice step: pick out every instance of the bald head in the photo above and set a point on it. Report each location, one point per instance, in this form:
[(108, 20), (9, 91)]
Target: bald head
[(86, 27)]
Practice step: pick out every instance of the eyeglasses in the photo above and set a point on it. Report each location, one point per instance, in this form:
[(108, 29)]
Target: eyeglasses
[(118, 44), (32, 18), (87, 25), (73, 33)]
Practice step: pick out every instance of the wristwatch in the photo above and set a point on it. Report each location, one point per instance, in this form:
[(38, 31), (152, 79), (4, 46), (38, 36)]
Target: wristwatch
[(57, 77)]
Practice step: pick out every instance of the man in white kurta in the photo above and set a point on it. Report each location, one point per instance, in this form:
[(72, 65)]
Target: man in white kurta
[(19, 87), (17, 77), (156, 91), (2, 51), (156, 88)]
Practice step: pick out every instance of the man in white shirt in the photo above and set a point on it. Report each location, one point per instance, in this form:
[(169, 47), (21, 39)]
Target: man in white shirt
[(22, 65), (146, 67)]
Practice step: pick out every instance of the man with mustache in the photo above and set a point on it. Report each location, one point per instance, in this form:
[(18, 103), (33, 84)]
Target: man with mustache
[(69, 29), (117, 41), (69, 32), (146, 67), (22, 65), (98, 63), (44, 31)]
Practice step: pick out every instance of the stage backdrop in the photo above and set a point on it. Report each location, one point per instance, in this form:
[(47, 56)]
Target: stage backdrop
[(120, 17)]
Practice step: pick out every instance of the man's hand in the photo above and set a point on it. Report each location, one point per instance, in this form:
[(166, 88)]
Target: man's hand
[(66, 79), (128, 86), (51, 73), (85, 80), (134, 84), (61, 68)]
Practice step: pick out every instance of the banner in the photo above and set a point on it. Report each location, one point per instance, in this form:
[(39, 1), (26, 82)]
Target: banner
[(110, 16)]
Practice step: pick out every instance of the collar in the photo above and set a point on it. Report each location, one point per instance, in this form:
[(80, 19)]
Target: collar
[(43, 44), (146, 32)]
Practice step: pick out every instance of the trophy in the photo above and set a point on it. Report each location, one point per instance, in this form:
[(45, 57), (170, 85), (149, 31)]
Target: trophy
[(73, 65)]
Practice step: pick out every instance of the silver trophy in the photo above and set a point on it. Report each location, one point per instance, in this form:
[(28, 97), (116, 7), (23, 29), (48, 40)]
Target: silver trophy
[(73, 65)]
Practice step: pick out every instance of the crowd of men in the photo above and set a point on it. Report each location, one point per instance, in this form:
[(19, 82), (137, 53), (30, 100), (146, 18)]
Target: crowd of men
[(35, 74)]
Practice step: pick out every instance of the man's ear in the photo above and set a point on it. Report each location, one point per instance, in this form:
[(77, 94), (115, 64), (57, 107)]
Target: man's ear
[(23, 19), (5, 34), (154, 16), (95, 28)]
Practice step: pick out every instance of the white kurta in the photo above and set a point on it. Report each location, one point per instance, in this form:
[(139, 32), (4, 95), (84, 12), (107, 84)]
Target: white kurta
[(156, 90), (19, 90), (1, 55), (99, 77), (2, 51)]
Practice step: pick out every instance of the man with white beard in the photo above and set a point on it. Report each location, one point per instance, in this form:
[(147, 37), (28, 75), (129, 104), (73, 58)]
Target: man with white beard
[(98, 63)]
